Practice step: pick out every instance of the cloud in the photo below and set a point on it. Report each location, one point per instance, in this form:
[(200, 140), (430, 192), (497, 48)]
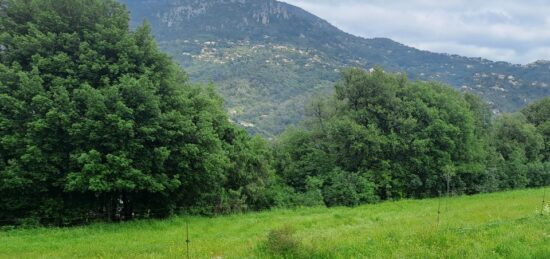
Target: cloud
[(515, 31)]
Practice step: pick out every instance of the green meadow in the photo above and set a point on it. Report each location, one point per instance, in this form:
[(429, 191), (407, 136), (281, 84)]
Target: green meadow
[(498, 225)]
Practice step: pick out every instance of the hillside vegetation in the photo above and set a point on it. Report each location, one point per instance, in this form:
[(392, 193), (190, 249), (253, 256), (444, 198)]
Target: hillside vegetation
[(499, 225), (267, 57)]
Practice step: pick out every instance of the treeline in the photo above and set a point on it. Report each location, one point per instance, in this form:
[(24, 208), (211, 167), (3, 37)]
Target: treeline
[(97, 124), (381, 136)]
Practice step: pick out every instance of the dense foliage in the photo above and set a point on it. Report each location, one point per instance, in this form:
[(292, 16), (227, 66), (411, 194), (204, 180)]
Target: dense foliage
[(382, 136), (95, 122)]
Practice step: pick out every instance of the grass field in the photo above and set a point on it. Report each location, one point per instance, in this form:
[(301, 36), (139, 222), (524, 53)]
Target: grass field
[(499, 225)]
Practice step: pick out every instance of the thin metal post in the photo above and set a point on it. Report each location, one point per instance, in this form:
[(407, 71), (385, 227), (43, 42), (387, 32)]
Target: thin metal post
[(439, 208), (187, 241), (543, 201), (447, 199)]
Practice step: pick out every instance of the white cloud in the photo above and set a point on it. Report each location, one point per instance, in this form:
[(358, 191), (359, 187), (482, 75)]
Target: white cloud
[(492, 53), (515, 31)]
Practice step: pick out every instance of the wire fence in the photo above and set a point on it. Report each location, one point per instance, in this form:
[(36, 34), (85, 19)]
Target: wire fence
[(186, 233), (64, 220), (67, 220)]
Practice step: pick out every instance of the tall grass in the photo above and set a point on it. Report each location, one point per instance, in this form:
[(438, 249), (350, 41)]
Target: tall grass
[(498, 225)]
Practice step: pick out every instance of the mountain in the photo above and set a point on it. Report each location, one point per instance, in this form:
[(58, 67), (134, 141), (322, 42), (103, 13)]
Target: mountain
[(268, 58)]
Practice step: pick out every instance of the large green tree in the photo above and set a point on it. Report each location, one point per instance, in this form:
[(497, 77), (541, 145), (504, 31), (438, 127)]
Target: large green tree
[(538, 114), (382, 132), (96, 122)]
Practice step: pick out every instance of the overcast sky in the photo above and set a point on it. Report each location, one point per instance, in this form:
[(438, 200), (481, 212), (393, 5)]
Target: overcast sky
[(517, 31)]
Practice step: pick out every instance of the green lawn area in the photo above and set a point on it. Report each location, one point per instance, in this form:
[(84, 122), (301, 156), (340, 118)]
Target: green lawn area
[(498, 225)]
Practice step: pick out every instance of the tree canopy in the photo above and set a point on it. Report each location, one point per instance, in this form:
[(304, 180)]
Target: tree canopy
[(381, 136), (96, 122)]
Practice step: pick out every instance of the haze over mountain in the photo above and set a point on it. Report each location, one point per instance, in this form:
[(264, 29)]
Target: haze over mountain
[(268, 58)]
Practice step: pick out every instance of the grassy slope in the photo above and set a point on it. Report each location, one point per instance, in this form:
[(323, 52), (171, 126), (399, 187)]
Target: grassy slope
[(506, 225)]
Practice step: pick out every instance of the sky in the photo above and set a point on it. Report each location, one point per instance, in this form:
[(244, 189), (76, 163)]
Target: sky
[(515, 31)]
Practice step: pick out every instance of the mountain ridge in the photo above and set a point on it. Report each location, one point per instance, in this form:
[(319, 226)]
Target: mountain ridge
[(269, 57)]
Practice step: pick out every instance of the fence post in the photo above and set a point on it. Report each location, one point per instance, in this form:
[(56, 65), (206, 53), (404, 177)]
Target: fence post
[(438, 208), (187, 241), (543, 201)]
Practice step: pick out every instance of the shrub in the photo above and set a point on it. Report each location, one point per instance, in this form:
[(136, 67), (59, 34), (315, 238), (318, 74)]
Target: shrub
[(231, 201), (313, 195), (538, 174), (284, 196), (348, 189), (281, 241)]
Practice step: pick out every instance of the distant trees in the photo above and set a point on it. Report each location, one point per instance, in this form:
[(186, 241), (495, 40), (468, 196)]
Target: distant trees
[(95, 122)]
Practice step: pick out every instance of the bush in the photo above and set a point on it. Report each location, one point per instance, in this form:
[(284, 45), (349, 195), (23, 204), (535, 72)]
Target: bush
[(313, 195), (281, 241), (348, 189), (284, 196), (538, 174), (231, 201)]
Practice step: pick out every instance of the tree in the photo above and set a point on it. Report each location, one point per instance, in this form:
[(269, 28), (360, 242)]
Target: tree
[(96, 122), (518, 144), (403, 138), (538, 114)]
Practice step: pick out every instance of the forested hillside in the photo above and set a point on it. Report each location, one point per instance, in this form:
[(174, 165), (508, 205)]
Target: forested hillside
[(267, 58)]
